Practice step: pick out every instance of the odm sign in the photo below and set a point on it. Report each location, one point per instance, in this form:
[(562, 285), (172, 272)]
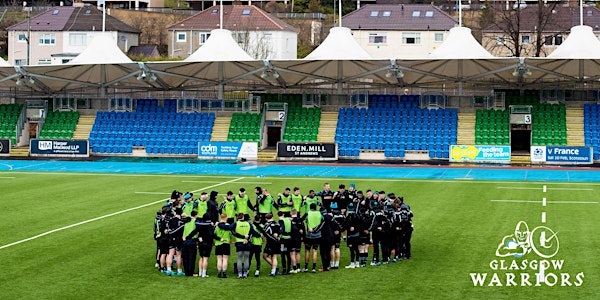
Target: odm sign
[(228, 150), (478, 153)]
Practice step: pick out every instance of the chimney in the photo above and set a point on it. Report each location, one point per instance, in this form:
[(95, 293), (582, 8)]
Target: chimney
[(78, 3)]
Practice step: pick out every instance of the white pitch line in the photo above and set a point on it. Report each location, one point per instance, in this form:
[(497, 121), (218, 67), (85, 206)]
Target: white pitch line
[(517, 188), (570, 189), (543, 201), (197, 181), (240, 182), (552, 202), (153, 193), (543, 217), (545, 188), (7, 177), (103, 217)]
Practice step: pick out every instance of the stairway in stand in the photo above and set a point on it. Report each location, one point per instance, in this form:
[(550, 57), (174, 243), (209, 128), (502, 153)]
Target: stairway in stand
[(267, 155), (84, 127), (327, 127), (19, 152), (465, 131), (575, 131), (220, 129)]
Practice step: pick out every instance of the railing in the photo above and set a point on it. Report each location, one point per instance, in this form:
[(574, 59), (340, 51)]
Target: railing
[(433, 100), (359, 99), (305, 16), (20, 122)]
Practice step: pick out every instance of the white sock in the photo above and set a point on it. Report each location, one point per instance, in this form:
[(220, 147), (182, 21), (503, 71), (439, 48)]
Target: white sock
[(168, 269), (203, 272), (179, 270)]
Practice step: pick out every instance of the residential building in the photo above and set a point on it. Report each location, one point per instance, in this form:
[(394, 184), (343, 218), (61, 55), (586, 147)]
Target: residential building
[(556, 24), (399, 30), (61, 33), (260, 34)]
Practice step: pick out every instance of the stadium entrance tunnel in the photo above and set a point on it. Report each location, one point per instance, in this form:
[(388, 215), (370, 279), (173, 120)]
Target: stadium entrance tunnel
[(520, 140), (274, 135)]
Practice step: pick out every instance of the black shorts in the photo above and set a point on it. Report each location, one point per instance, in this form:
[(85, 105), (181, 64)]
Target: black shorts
[(364, 240), (204, 249), (272, 248), (311, 244), (287, 214), (224, 249), (337, 240), (295, 245), (163, 245), (176, 244), (256, 249), (352, 241), (286, 245)]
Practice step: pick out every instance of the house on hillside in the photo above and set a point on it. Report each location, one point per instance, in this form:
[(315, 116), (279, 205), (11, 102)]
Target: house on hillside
[(61, 33), (399, 30), (259, 33), (498, 38)]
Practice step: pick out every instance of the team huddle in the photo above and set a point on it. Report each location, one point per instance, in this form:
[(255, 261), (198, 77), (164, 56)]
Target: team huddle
[(186, 226)]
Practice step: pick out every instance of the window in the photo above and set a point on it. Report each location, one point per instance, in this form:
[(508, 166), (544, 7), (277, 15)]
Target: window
[(386, 13), (553, 40), (411, 38), (241, 38), (268, 37), (377, 38), (204, 37), (500, 40), (181, 37), (214, 11), (87, 12), (416, 13), (439, 37), (77, 39), (55, 12), (20, 62), (47, 39), (589, 13), (246, 12), (374, 13), (525, 39), (429, 14), (22, 37), (44, 61)]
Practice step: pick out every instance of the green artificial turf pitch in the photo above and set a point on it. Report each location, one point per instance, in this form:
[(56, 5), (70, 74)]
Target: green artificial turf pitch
[(458, 225)]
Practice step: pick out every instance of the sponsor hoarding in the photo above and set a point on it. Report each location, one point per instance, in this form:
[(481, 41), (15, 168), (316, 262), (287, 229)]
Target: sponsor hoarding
[(304, 151), (228, 150), (59, 148), (480, 153), (562, 155)]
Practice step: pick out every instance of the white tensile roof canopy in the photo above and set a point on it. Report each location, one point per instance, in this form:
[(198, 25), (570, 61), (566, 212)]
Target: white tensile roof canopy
[(220, 46), (102, 50), (339, 45), (460, 43), (580, 44)]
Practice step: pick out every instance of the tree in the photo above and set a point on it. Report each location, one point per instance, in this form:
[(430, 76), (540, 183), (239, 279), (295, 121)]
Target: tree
[(519, 29)]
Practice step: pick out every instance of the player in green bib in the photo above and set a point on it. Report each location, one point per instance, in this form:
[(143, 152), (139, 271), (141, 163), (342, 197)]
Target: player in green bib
[(265, 204), (314, 223), (243, 205), (222, 247), (285, 238), (284, 202), (228, 207), (188, 252), (256, 248), (309, 199), (202, 204), (190, 204), (297, 199), (242, 232)]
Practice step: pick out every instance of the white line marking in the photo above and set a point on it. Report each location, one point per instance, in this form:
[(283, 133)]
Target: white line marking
[(193, 181), (240, 182), (543, 201), (517, 188), (570, 189), (7, 177), (10, 167), (544, 188), (103, 217), (551, 202), (543, 217), (153, 193)]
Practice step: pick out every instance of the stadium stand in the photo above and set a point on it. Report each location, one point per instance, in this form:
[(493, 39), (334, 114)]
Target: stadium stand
[(394, 126), (160, 129), (244, 127), (59, 125), (549, 125), (591, 124), (302, 124), (9, 116), (491, 127)]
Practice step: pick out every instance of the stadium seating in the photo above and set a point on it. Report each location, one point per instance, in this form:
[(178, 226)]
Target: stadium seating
[(591, 127), (491, 127), (302, 124), (395, 126), (59, 125), (549, 125), (9, 116), (160, 129), (244, 127)]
